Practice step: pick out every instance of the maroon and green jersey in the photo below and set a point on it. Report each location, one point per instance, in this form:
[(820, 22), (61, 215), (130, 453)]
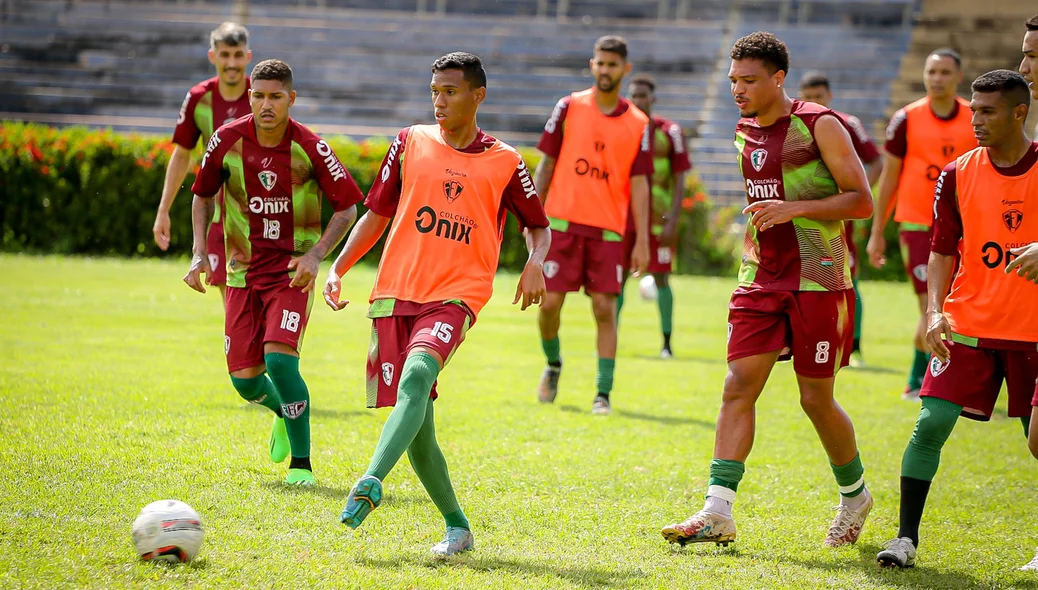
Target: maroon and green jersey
[(781, 161), (273, 196), (204, 110)]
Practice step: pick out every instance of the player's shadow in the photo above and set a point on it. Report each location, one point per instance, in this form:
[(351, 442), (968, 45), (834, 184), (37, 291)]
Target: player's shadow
[(699, 360), (572, 574), (314, 412), (874, 369), (670, 420), (916, 577)]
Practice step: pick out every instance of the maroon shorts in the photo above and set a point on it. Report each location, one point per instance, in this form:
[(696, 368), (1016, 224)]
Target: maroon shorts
[(661, 258), (915, 251), (576, 261), (814, 328), (263, 313), (217, 255), (973, 378), (439, 326)]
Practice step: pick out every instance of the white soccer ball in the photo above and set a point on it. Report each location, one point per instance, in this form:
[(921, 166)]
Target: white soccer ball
[(647, 288), (167, 530)]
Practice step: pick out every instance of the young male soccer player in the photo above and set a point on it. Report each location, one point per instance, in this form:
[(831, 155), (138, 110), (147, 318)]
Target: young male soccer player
[(207, 106), (443, 192), (272, 171), (1026, 257), (985, 331), (803, 180), (921, 139), (670, 163), (814, 87), (596, 167)]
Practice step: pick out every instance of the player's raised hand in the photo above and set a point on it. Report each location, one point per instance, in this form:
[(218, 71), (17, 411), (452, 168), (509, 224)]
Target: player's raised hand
[(193, 278), (1025, 262), (306, 267), (161, 230), (531, 287), (938, 332), (332, 291), (768, 213), (876, 249)]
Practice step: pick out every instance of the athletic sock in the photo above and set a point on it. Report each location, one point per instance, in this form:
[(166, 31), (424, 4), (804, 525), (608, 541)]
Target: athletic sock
[(300, 463), (620, 302), (666, 340), (859, 311), (725, 476), (604, 378), (919, 363), (552, 351), (937, 418), (1026, 422), (295, 400), (665, 300), (851, 480), (856, 346), (416, 381), (913, 500), (431, 468), (258, 390)]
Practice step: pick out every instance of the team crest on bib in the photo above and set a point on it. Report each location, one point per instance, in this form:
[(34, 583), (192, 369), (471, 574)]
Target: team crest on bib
[(937, 367), (452, 190), (268, 179), (387, 374), (551, 268), (1013, 218), (757, 158)]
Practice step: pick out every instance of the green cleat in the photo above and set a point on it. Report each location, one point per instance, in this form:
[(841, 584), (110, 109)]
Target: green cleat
[(300, 477), (365, 496), (279, 445)]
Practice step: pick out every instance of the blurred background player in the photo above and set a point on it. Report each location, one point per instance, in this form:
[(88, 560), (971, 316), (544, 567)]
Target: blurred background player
[(670, 163), (273, 172), (596, 167), (795, 296), (1026, 257), (921, 139), (443, 193), (814, 87), (207, 106), (985, 330)]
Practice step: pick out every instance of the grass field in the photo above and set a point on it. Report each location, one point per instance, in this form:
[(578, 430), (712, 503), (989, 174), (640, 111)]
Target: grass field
[(115, 394)]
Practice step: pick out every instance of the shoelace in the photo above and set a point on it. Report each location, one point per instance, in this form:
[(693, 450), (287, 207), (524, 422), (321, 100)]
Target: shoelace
[(842, 523)]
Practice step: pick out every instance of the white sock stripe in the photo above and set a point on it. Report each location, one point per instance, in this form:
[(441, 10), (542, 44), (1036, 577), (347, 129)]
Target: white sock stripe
[(854, 486), (722, 492)]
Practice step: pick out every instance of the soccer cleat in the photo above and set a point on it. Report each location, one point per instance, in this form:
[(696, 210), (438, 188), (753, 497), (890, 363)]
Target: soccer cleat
[(911, 394), (601, 407), (303, 478), (857, 361), (549, 386), (365, 496), (847, 525), (279, 445), (456, 541), (899, 552), (701, 527), (666, 353), (1031, 566)]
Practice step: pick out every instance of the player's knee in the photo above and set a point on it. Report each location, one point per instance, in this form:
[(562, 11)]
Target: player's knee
[(281, 365), (551, 306), (1032, 445), (738, 388), (662, 282), (604, 309), (815, 401), (249, 388)]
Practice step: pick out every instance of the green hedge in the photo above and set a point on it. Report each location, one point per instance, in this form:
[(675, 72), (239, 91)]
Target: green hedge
[(80, 191)]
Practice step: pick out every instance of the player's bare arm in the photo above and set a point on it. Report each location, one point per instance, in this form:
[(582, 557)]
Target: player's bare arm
[(201, 214), (308, 265), (669, 236), (640, 211), (938, 331), (542, 176), (886, 198), (855, 200), (1025, 263), (176, 171), (364, 236), (531, 287)]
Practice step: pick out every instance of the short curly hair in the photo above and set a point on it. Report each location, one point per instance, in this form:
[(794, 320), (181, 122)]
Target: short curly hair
[(763, 46), (273, 69)]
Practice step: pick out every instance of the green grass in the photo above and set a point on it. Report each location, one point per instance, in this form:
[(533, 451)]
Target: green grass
[(114, 394)]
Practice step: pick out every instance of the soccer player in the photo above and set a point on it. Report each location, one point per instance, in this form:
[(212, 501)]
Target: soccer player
[(596, 167), (670, 163), (272, 171), (1026, 261), (795, 297), (985, 331), (207, 106), (814, 87), (443, 193), (921, 139)]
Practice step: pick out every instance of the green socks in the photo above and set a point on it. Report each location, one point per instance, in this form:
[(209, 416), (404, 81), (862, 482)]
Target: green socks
[(919, 364), (665, 300), (727, 474), (258, 390), (859, 310), (404, 422), (553, 351), (604, 379), (936, 420), (430, 466), (850, 477), (620, 301), (295, 400)]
